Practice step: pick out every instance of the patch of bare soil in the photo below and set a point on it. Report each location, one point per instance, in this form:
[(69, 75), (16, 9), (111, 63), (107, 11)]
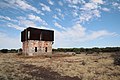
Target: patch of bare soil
[(41, 73)]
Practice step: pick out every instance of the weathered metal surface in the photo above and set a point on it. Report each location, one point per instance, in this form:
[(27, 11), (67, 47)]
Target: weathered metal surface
[(37, 34)]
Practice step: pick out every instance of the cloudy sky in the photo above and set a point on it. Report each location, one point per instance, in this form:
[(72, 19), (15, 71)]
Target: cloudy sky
[(77, 23)]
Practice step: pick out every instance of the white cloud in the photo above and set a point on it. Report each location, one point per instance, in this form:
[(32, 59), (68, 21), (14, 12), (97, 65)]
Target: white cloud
[(45, 7), (96, 13), (98, 34), (106, 9), (73, 6), (90, 10), (88, 15), (57, 9), (98, 1), (37, 18), (33, 17), (76, 35), (50, 2), (75, 13), (60, 3), (56, 17), (5, 17), (58, 25), (116, 5), (15, 26), (26, 6), (8, 18), (27, 23), (31, 21), (60, 13), (22, 4), (23, 21), (76, 31), (76, 1), (89, 6)]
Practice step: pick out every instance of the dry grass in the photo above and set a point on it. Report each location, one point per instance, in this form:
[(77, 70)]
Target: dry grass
[(78, 67)]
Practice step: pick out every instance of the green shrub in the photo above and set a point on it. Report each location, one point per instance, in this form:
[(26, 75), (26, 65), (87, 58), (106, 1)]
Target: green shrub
[(77, 52), (116, 57), (117, 61), (89, 52)]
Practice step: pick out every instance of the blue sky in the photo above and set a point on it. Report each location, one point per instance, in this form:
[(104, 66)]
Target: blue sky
[(77, 23)]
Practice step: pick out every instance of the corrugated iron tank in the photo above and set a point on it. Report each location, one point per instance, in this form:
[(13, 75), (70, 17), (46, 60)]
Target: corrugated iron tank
[(37, 34)]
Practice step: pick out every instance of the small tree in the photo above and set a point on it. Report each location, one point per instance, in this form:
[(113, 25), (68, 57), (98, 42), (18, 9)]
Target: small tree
[(89, 52), (13, 51)]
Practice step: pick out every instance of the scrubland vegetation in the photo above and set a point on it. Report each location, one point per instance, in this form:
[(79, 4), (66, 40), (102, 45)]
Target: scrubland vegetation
[(102, 66)]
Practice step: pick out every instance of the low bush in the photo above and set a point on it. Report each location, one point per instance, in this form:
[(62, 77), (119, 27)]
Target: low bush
[(117, 61), (116, 57)]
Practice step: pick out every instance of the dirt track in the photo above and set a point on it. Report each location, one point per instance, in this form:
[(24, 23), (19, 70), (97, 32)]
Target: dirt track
[(44, 74)]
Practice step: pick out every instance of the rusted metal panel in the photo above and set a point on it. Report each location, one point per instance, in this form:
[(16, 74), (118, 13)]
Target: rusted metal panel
[(37, 34)]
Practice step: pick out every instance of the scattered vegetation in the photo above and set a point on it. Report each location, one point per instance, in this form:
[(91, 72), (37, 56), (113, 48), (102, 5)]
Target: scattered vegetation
[(78, 67), (88, 50), (76, 50), (116, 57), (10, 51), (4, 50), (117, 61)]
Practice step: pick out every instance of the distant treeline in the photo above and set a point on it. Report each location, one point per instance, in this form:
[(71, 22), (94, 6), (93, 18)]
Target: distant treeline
[(76, 50), (10, 51), (89, 50)]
